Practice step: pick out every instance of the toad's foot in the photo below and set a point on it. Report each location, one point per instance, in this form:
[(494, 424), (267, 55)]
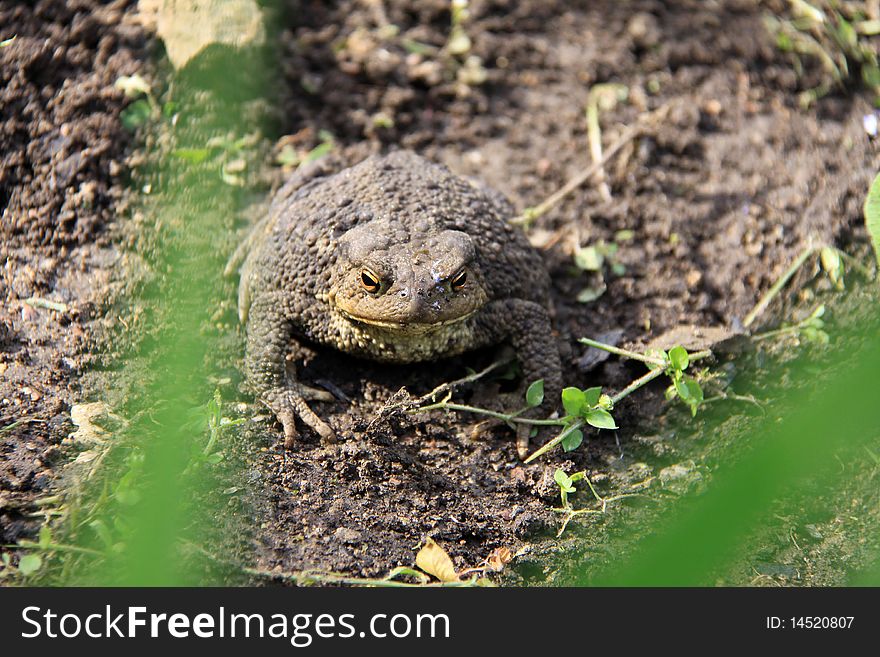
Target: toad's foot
[(289, 402)]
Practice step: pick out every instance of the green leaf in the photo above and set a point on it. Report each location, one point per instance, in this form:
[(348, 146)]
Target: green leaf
[(816, 335), (29, 564), (136, 114), (535, 393), (103, 533), (318, 151), (417, 48), (682, 389), (573, 440), (871, 75), (288, 156), (658, 354), (45, 536), (832, 265), (601, 419), (872, 215), (192, 155), (589, 259), (695, 390), (405, 571), (574, 401), (678, 357), (589, 294), (847, 35), (563, 480), (592, 395)]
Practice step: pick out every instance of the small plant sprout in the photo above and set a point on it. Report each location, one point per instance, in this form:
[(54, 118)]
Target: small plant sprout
[(593, 258), (144, 107), (604, 97), (832, 264), (834, 35), (811, 328), (216, 422), (566, 487), (831, 260), (290, 158), (566, 484), (228, 153), (459, 42), (684, 387), (589, 407)]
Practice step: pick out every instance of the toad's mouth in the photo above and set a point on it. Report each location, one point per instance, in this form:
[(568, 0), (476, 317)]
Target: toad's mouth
[(405, 326)]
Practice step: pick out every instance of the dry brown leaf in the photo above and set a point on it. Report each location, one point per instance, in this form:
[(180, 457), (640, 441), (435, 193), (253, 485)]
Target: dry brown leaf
[(498, 558), (188, 26), (433, 560), (87, 432)]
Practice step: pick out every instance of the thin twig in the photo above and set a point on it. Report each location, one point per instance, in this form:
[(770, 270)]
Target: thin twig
[(335, 578), (546, 447), (24, 420), (776, 288), (630, 133), (617, 351), (450, 385), (507, 417)]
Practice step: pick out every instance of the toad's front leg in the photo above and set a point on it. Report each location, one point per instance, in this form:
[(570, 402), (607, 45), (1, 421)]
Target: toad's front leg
[(527, 327), (269, 339)]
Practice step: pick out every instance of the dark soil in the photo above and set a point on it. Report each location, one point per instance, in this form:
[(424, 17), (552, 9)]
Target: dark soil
[(62, 177), (720, 197), (732, 186)]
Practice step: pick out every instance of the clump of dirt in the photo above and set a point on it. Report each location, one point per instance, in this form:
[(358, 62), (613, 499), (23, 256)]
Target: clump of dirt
[(62, 176), (720, 198)]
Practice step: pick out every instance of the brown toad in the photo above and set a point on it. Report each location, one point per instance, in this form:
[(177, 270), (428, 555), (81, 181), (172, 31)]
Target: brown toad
[(395, 259)]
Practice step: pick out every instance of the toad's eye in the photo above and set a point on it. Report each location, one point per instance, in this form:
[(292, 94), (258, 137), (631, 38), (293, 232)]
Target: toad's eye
[(370, 281), (458, 280)]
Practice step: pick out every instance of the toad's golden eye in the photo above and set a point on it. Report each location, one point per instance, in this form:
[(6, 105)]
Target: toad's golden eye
[(370, 281), (459, 280)]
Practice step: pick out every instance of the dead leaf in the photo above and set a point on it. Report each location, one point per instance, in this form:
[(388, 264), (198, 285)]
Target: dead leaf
[(82, 415), (498, 558), (433, 560), (186, 27)]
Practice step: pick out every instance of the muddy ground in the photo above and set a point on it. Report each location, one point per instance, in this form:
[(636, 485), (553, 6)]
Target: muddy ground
[(63, 173), (720, 197)]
